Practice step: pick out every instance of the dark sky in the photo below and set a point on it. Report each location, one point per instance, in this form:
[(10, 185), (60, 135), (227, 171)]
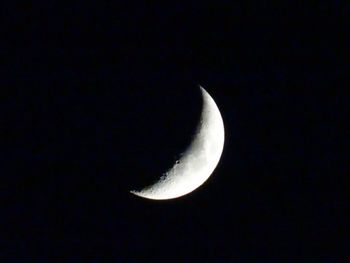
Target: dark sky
[(101, 97)]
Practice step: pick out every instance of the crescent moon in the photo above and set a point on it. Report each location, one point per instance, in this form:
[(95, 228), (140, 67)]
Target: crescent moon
[(197, 162)]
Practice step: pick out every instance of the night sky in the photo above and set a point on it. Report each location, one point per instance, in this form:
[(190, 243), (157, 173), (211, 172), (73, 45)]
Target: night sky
[(99, 98)]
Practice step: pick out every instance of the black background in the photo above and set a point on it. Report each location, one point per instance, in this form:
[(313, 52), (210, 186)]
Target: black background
[(99, 98)]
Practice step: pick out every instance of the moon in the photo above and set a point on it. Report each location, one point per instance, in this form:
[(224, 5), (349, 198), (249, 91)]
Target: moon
[(197, 162)]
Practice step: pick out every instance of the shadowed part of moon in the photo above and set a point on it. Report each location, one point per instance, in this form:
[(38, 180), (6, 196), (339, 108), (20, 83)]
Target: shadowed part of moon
[(198, 162)]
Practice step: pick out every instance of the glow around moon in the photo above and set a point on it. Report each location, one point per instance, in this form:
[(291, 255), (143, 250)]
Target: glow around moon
[(197, 162)]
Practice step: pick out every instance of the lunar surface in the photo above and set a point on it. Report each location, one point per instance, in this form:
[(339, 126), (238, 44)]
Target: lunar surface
[(197, 162)]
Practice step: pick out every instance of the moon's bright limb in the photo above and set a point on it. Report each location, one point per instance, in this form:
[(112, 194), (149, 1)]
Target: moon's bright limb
[(197, 162)]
